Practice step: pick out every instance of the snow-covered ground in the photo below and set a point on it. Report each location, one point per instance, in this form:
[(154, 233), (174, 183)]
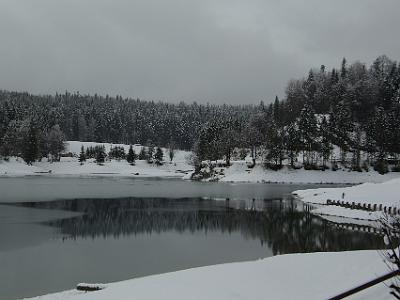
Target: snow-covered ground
[(239, 172), (180, 168), (294, 276), (386, 194), (69, 166)]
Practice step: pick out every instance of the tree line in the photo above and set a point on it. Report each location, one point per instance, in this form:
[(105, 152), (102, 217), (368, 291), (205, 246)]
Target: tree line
[(151, 154), (354, 107)]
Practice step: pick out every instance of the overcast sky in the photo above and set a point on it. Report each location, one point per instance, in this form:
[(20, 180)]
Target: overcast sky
[(185, 50)]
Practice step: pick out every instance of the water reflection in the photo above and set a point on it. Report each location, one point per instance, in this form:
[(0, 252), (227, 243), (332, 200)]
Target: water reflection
[(282, 226)]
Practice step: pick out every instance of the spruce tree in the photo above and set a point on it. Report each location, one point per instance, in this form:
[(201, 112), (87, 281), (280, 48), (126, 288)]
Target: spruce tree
[(30, 145), (171, 151), (292, 143), (150, 153), (101, 156), (325, 146), (158, 156), (82, 156), (131, 157)]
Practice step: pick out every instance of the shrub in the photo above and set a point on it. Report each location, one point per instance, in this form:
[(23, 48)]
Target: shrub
[(381, 167)]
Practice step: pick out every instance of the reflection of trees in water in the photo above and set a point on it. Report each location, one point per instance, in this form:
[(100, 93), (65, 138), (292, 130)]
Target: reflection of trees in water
[(282, 228)]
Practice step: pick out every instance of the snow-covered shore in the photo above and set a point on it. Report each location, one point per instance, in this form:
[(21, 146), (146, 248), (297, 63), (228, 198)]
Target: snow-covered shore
[(386, 194), (293, 276), (238, 172), (69, 166)]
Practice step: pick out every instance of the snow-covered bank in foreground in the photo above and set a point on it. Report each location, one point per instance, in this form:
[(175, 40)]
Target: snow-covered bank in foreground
[(386, 193), (239, 172), (294, 276)]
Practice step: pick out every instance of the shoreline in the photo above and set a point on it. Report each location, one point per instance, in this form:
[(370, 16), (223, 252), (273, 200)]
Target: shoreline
[(236, 174)]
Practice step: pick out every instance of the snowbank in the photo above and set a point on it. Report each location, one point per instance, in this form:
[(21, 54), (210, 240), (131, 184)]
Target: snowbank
[(386, 194), (294, 276)]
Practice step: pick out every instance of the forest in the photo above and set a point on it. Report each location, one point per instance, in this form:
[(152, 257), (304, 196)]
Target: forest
[(354, 108)]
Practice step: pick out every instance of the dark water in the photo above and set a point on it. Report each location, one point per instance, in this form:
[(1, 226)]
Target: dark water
[(49, 246)]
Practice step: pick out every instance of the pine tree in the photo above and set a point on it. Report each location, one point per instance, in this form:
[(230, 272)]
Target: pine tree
[(55, 142), (171, 151), (158, 156), (150, 153), (308, 131), (101, 156), (343, 70), (325, 146), (275, 146), (117, 152), (131, 157), (82, 156), (292, 143), (379, 133), (30, 148)]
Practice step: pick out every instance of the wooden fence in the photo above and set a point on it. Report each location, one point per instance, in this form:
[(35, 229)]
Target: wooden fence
[(364, 206)]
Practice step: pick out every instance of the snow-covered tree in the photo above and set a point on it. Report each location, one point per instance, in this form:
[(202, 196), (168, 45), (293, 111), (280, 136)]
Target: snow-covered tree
[(159, 156), (131, 157), (82, 155)]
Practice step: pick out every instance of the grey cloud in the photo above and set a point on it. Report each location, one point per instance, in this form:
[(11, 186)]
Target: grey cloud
[(218, 51)]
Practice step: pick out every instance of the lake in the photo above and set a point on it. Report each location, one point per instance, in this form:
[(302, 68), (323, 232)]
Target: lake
[(57, 232)]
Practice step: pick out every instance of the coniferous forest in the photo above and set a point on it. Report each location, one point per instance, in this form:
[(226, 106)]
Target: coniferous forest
[(354, 108)]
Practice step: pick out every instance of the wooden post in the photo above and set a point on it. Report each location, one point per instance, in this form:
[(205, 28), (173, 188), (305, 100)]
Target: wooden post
[(89, 287)]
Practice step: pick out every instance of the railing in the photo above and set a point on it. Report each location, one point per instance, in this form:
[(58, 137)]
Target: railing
[(366, 285), (368, 207)]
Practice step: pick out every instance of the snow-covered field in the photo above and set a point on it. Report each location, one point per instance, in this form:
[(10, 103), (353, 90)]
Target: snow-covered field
[(69, 166), (294, 276), (386, 193)]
